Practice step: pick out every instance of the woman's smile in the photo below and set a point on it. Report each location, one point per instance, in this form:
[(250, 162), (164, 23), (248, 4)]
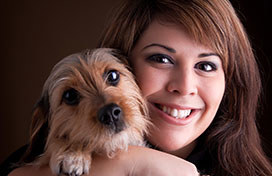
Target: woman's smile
[(175, 114)]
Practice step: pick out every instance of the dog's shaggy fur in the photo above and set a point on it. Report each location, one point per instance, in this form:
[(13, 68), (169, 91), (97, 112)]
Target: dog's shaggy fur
[(71, 113)]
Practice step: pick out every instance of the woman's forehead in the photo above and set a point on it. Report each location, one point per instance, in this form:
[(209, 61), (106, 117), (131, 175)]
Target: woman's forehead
[(169, 32)]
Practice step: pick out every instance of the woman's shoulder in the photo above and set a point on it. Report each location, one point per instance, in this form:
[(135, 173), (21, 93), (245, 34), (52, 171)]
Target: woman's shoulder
[(21, 171), (31, 170)]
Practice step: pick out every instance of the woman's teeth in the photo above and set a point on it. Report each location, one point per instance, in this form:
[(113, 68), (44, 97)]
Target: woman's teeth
[(178, 114)]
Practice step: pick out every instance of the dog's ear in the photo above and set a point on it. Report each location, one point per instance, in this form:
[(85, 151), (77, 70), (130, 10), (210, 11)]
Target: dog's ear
[(38, 130), (40, 114)]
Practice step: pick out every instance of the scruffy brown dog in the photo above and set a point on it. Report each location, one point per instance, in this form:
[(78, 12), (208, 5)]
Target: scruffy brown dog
[(90, 103)]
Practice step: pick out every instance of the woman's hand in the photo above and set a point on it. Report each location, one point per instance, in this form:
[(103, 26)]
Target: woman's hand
[(137, 161)]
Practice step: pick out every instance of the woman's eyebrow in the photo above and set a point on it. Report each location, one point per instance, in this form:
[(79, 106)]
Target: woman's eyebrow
[(207, 55), (162, 46)]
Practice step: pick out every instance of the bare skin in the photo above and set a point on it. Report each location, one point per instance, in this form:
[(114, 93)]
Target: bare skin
[(137, 161)]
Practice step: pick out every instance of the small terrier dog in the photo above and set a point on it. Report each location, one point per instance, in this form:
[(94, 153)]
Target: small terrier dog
[(90, 103)]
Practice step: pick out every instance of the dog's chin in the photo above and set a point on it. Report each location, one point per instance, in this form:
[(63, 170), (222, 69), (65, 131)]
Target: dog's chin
[(120, 141)]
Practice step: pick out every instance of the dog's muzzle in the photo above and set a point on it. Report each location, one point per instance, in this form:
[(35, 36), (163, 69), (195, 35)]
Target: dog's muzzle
[(111, 116)]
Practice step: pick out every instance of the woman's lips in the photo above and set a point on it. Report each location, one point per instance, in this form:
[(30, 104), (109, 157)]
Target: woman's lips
[(175, 116)]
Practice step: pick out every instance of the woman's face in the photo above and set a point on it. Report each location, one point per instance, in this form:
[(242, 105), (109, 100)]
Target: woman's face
[(183, 83)]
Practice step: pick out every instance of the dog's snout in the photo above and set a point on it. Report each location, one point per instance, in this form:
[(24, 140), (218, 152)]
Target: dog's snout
[(111, 116)]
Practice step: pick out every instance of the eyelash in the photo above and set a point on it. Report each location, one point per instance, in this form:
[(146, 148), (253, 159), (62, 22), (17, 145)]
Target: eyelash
[(160, 59)]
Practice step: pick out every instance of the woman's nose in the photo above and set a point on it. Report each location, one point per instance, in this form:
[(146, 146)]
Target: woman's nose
[(183, 83)]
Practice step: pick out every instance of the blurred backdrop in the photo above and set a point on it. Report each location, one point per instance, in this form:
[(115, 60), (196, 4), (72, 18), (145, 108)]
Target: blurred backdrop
[(35, 35)]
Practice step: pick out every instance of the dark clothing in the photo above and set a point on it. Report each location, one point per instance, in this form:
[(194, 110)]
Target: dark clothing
[(11, 162), (201, 157)]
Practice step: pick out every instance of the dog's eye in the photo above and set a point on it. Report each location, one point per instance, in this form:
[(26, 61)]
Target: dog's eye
[(71, 97), (113, 77)]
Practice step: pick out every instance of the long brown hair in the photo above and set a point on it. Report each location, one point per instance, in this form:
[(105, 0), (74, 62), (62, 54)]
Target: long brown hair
[(233, 134)]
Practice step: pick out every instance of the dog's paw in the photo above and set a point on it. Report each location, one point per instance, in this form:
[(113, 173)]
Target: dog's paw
[(72, 164)]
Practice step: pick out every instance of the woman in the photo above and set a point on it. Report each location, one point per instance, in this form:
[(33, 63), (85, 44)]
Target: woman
[(232, 137), (195, 66)]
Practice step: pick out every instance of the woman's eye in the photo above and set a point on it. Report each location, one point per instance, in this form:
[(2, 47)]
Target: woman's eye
[(161, 58), (71, 97), (206, 66), (112, 77)]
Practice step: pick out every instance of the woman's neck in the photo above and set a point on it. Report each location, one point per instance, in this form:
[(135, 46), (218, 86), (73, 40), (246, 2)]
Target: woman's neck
[(185, 151)]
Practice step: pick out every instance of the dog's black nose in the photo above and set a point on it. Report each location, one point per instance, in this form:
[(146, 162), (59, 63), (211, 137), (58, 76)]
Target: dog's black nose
[(111, 116)]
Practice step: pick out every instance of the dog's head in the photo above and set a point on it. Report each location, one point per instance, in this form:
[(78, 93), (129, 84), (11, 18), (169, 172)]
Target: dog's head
[(91, 98)]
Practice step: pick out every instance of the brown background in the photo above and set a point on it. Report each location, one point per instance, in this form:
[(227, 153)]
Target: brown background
[(37, 34)]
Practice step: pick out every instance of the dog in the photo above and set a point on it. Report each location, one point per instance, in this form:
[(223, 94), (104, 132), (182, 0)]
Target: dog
[(91, 104)]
